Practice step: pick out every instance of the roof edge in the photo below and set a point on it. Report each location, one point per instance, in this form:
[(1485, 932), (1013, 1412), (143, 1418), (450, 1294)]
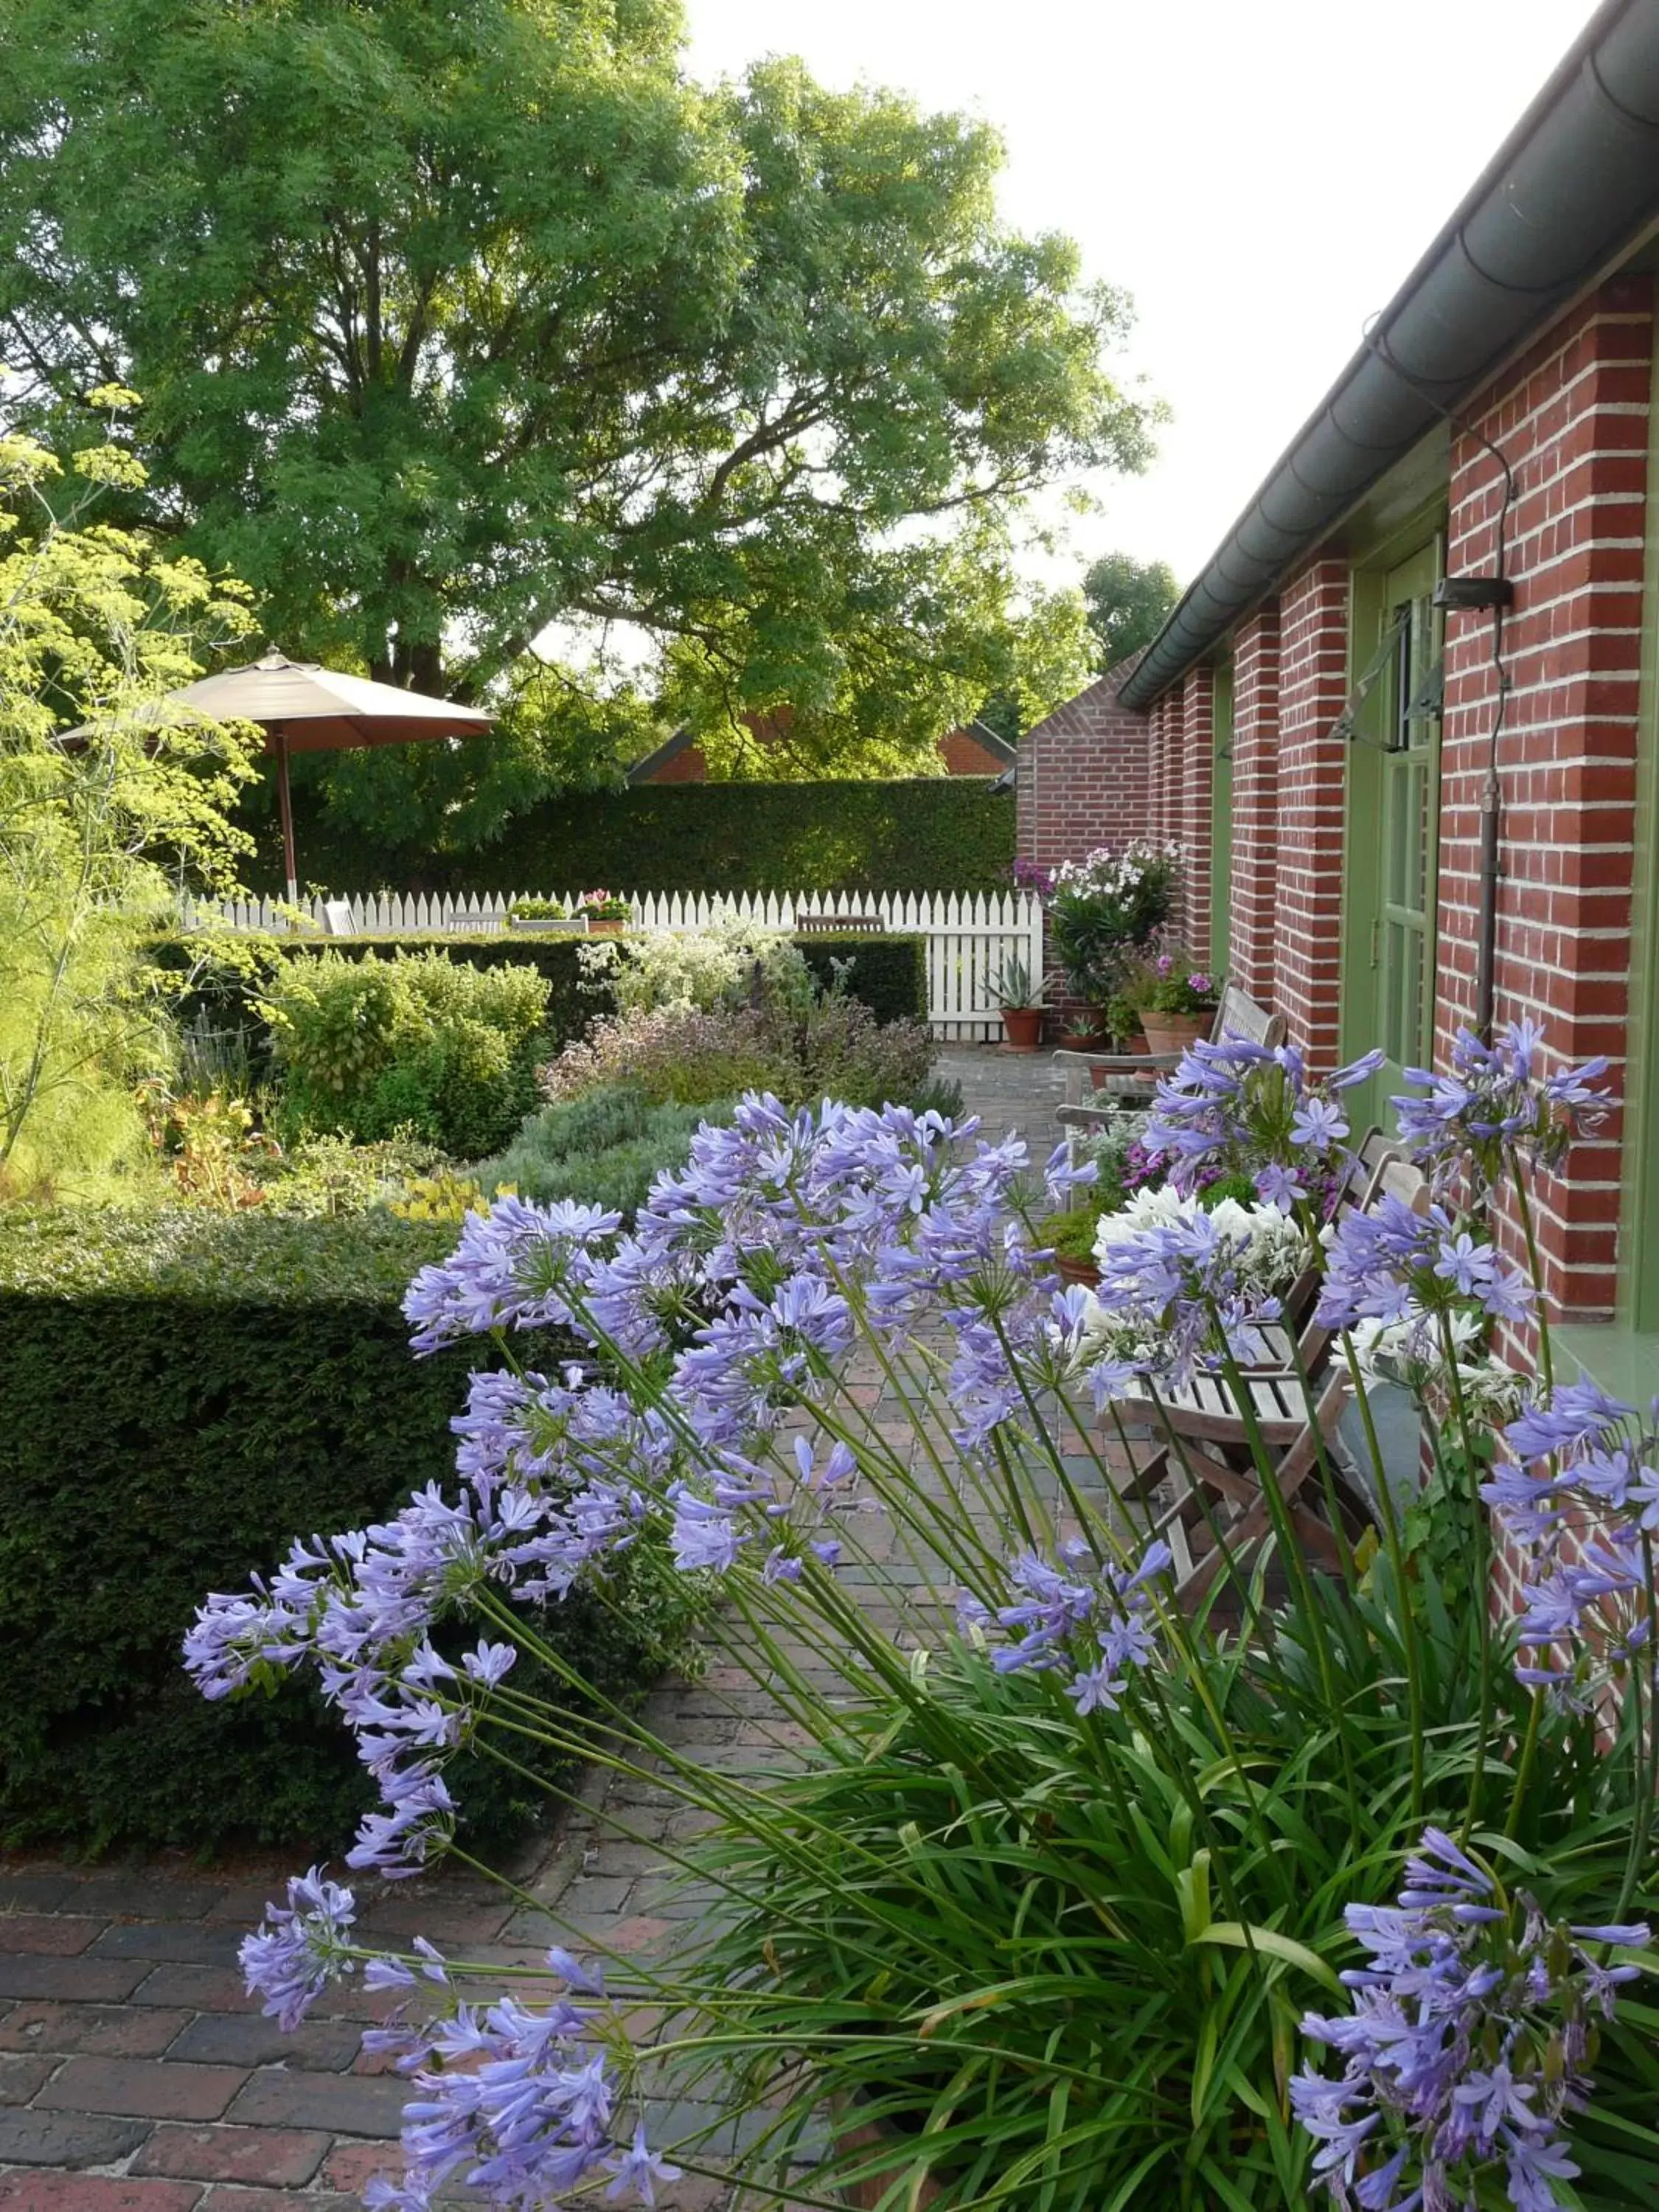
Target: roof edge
[(1574, 184)]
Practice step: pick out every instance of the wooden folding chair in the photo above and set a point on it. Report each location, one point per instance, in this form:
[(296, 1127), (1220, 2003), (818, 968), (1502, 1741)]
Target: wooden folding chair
[(1200, 1447)]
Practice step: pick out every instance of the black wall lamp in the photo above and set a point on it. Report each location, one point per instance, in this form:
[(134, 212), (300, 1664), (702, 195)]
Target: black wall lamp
[(1467, 595)]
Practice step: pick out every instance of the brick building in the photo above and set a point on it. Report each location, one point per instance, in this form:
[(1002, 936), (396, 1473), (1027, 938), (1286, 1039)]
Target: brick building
[(1439, 613)]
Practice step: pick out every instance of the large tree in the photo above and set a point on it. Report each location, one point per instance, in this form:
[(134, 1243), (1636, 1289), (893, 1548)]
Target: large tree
[(1128, 601), (455, 322)]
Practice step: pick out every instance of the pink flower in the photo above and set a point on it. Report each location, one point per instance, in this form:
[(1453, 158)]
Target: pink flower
[(1164, 964), (1201, 984)]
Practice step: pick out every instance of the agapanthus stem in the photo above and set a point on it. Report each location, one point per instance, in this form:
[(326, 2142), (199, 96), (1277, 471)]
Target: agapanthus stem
[(1535, 1269), (746, 1807), (1247, 1586), (1482, 1576), (1326, 1473), (1397, 1549), (1523, 1772), (1051, 1450), (1645, 1657), (1284, 1532)]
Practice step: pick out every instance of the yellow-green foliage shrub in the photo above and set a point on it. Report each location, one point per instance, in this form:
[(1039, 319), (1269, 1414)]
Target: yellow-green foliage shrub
[(418, 1042), (111, 800)]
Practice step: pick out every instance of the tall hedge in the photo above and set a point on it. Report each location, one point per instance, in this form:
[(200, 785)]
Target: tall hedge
[(931, 834), (185, 1395)]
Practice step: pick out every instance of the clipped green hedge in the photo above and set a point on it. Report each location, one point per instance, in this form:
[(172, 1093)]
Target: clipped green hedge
[(888, 973), (928, 834), (184, 1393)]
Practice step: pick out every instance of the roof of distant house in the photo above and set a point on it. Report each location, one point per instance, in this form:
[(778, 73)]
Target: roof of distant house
[(979, 736)]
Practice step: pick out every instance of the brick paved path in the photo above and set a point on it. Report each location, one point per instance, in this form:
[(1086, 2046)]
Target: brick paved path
[(136, 2075)]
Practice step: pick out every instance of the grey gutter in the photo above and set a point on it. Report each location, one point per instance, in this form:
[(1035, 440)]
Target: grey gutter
[(1574, 184)]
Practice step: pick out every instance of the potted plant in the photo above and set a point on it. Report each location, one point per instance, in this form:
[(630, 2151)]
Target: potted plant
[(1105, 909), (1122, 1014), (607, 914), (1019, 995), (1070, 1237), (545, 918), (869, 2195), (1178, 1004), (1083, 1033)]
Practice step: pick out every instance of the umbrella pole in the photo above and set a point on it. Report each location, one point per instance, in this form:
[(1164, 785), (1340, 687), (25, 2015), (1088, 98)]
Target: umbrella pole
[(285, 806)]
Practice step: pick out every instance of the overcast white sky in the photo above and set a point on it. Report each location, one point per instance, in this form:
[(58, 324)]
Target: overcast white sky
[(1261, 174)]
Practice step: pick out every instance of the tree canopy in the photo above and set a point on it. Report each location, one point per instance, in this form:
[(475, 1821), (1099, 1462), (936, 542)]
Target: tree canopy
[(1128, 601), (455, 322)]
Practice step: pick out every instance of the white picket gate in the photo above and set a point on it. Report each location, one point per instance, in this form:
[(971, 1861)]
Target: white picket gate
[(971, 936)]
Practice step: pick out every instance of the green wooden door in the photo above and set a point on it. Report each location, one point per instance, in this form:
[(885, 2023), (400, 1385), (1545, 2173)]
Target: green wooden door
[(1394, 825)]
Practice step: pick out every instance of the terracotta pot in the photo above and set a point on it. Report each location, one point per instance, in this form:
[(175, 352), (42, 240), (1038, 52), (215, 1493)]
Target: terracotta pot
[(605, 928), (1076, 1270), (1174, 1032), (1023, 1028), (864, 2196), (1082, 1041)]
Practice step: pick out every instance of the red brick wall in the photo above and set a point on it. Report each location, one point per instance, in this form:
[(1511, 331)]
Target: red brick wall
[(1195, 829), (1572, 420), (687, 766), (965, 753), (1255, 803), (1082, 778), (1313, 679), (1166, 766)]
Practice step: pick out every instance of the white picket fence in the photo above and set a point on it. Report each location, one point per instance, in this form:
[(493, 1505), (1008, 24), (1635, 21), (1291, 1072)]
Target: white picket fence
[(970, 937)]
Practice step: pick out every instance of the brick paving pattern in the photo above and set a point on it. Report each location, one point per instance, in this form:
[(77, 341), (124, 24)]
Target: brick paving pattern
[(137, 2076)]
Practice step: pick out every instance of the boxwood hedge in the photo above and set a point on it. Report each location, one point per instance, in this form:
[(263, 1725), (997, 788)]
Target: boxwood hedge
[(184, 1393)]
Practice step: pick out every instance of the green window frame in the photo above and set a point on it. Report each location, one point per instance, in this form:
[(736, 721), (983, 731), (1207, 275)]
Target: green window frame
[(1392, 830)]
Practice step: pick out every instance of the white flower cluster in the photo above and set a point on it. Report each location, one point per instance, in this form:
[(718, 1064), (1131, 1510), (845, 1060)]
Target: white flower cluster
[(1269, 1252), (1117, 874), (1410, 1351), (709, 968)]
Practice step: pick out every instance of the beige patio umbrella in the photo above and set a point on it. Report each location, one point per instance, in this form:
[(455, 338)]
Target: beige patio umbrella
[(306, 708)]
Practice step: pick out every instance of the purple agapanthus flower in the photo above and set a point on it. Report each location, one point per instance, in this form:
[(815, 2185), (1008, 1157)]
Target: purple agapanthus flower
[(1584, 1464), (1494, 1106), (1239, 1107), (1086, 1621), (300, 1947), (1388, 1260), (1467, 2043)]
